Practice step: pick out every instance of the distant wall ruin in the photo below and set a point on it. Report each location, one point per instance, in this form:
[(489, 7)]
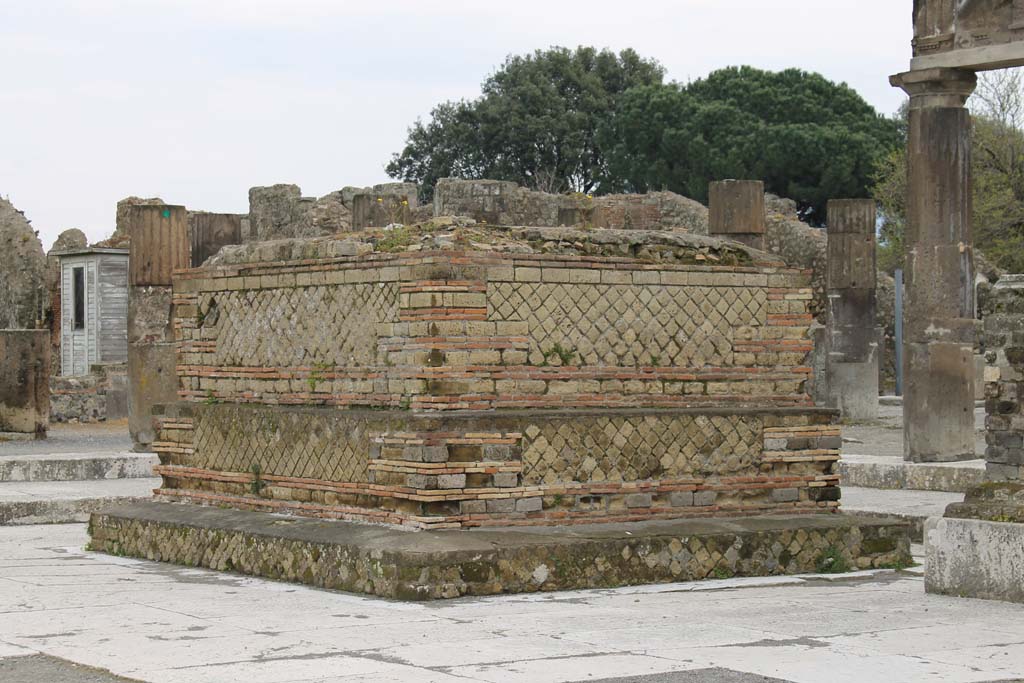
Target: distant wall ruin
[(24, 381), (23, 291), (501, 202)]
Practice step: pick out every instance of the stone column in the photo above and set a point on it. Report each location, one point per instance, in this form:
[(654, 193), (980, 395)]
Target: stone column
[(852, 368), (736, 211), (938, 404)]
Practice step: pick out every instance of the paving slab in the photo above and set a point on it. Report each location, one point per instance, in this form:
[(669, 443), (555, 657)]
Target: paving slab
[(163, 623), (76, 466), (97, 437), (884, 436), (43, 669), (58, 502)]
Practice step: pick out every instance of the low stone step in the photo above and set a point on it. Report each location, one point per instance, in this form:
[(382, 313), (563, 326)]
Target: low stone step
[(433, 564), (60, 502), (875, 472), (76, 466), (913, 506)]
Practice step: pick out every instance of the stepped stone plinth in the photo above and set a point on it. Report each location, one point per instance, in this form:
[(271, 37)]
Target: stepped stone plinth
[(510, 377)]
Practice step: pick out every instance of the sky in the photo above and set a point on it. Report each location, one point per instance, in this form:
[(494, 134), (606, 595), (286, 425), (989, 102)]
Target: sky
[(196, 101)]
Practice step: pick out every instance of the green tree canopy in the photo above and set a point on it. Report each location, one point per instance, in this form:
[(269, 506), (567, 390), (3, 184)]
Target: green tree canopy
[(808, 138), (536, 122)]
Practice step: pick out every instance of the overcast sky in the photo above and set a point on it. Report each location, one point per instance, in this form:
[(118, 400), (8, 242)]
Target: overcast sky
[(195, 101)]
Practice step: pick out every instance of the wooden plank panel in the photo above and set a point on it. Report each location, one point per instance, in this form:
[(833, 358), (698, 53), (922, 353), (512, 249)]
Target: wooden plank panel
[(159, 243), (113, 301), (211, 231), (92, 314)]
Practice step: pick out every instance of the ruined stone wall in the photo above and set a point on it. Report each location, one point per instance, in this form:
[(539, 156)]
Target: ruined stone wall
[(363, 387), (1002, 341), (23, 291), (24, 381), (281, 212), (99, 396), (505, 203)]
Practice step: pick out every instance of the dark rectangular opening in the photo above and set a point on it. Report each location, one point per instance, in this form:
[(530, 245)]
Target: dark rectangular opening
[(78, 293)]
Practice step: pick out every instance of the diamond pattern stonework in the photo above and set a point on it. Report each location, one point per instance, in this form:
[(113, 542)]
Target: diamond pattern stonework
[(286, 444), (333, 325), (629, 325), (639, 448)]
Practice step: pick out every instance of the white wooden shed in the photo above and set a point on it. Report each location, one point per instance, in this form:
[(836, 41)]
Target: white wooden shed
[(93, 308)]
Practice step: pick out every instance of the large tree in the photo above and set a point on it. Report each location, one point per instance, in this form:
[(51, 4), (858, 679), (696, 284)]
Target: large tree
[(536, 122), (808, 138)]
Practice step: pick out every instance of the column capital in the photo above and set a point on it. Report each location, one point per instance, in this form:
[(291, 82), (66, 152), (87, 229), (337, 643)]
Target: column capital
[(936, 88)]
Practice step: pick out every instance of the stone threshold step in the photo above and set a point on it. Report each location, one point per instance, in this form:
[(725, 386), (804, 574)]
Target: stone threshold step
[(912, 506), (408, 565), (61, 502), (76, 466), (875, 472)]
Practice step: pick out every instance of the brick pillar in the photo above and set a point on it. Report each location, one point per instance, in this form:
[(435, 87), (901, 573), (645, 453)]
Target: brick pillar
[(159, 245), (852, 366), (938, 404), (736, 211)]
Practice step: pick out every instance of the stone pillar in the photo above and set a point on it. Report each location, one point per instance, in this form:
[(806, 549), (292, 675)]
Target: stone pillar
[(736, 211), (938, 404), (852, 334), (25, 382), (159, 245)]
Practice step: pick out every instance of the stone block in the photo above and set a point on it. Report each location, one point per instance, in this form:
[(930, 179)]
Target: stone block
[(974, 558), (499, 505), (681, 499), (434, 453), (824, 494), (451, 481), (529, 504), (639, 500), (704, 498), (506, 479), (785, 495)]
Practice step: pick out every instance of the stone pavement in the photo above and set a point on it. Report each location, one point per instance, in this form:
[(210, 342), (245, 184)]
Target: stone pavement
[(76, 470), (96, 437), (884, 437), (876, 480), (162, 624)]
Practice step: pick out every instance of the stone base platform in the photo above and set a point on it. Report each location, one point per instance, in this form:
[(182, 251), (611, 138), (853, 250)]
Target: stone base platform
[(396, 563), (977, 549), (879, 472), (975, 558)]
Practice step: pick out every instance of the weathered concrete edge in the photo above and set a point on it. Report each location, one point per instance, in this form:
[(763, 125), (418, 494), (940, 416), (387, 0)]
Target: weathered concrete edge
[(60, 511), (913, 476), (396, 563), (974, 558)]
